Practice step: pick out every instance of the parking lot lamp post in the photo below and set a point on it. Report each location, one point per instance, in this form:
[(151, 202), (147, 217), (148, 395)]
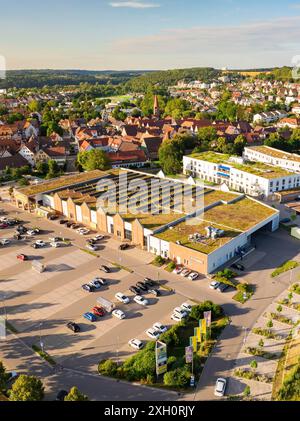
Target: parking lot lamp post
[(41, 342), (245, 335), (4, 307)]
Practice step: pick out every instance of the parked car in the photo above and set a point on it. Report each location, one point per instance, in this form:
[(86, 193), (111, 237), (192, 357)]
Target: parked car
[(74, 327), (155, 292), (135, 290), (122, 298), (179, 310), (177, 317), (220, 387), (92, 247), (83, 231), (90, 317), (52, 217), (41, 243), (178, 270), (193, 276), (142, 286), (214, 285), (119, 314), (63, 221), (105, 269), (11, 377), (101, 281), (4, 242), (56, 244), (98, 237), (3, 225), (149, 282), (141, 300), (22, 257), (69, 224), (222, 287), (124, 246), (153, 334), (185, 273), (98, 311), (88, 287), (238, 266), (61, 395), (31, 233), (160, 327), (96, 284), (75, 226), (186, 307), (136, 344)]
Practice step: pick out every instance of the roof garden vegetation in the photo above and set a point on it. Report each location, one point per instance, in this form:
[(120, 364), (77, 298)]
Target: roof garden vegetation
[(256, 168)]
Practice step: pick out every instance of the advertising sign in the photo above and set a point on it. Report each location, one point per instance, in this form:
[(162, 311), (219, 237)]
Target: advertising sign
[(161, 358), (189, 350), (207, 317)]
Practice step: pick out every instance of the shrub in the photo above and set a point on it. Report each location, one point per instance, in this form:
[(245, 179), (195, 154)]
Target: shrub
[(108, 368), (247, 391), (178, 378), (27, 388), (171, 336), (140, 365), (197, 311), (159, 261), (172, 361)]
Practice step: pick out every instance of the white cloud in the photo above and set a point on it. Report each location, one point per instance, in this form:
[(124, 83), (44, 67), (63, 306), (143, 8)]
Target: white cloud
[(134, 5), (257, 43)]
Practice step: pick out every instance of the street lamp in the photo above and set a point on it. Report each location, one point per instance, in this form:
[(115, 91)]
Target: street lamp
[(41, 342), (245, 335)]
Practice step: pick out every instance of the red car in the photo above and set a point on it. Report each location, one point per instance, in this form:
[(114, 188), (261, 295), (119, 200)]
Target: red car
[(22, 257), (3, 225), (98, 311)]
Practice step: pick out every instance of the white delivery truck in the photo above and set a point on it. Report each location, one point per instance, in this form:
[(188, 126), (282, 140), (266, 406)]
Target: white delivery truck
[(106, 304)]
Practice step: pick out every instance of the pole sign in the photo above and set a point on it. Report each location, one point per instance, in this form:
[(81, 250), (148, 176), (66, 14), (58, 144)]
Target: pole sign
[(161, 358), (189, 350), (207, 317)]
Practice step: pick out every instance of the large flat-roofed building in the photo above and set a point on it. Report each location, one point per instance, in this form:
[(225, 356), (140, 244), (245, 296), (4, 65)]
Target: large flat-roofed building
[(203, 233), (256, 179), (272, 156)]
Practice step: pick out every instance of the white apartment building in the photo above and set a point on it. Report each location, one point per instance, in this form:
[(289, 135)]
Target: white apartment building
[(252, 178), (269, 117), (272, 156)]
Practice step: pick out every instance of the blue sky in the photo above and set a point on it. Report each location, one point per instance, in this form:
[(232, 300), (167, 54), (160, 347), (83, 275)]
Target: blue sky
[(148, 34)]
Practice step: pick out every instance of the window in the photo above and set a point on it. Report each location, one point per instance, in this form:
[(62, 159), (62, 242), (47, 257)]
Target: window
[(128, 235)]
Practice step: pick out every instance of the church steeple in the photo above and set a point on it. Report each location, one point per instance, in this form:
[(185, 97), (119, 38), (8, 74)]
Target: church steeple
[(156, 110)]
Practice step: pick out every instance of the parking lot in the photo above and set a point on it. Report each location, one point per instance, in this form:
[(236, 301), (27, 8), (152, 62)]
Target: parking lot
[(39, 305)]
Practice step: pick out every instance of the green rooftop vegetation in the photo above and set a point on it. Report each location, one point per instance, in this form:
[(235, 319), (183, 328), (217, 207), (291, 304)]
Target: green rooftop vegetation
[(256, 168), (276, 153), (60, 182), (153, 222), (233, 219)]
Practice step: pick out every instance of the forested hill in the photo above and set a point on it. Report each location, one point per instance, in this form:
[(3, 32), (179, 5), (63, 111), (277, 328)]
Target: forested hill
[(40, 78), (171, 77)]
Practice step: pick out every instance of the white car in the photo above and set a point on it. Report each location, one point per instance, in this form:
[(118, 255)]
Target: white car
[(177, 317), (220, 387), (160, 327), (141, 300), (31, 233), (214, 285), (185, 273), (177, 270), (186, 307), (41, 243), (136, 344), (119, 314), (152, 333), (83, 231), (56, 244), (4, 242), (193, 276), (92, 247), (122, 298), (179, 310), (98, 238)]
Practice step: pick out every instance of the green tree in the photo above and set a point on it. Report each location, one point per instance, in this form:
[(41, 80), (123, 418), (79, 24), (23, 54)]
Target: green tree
[(27, 388), (253, 365), (95, 159), (76, 395), (239, 144), (290, 296), (170, 156), (177, 108), (279, 308), (34, 106), (270, 324), (247, 391), (53, 169), (148, 102), (261, 343), (42, 167), (180, 378)]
